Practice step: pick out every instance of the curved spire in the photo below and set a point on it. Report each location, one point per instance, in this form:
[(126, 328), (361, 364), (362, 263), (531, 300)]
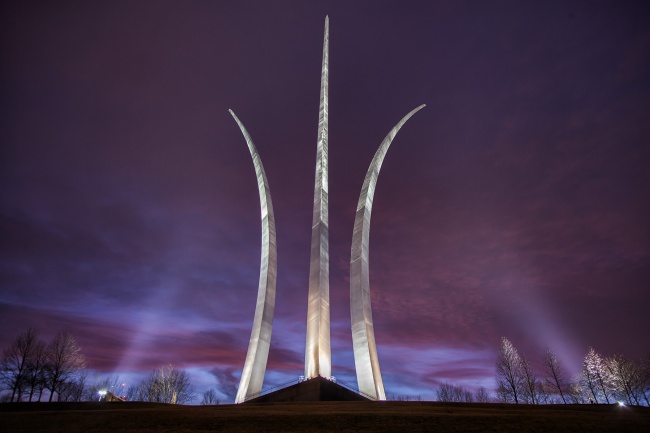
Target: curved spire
[(252, 376), (318, 357), (363, 334)]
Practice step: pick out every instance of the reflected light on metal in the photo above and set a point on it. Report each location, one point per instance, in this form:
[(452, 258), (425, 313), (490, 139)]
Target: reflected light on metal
[(252, 376), (363, 334), (317, 349)]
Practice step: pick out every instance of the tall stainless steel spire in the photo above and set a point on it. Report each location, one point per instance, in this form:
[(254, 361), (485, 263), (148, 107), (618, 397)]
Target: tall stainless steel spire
[(318, 358), (363, 333), (252, 376)]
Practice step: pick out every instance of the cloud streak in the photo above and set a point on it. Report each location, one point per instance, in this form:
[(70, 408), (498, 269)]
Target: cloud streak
[(516, 205)]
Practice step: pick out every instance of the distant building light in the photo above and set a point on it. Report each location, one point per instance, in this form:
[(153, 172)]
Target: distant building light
[(108, 396)]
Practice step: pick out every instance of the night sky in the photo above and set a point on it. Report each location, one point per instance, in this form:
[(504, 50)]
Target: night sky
[(516, 204)]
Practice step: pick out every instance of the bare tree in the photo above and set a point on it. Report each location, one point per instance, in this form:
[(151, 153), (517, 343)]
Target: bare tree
[(645, 379), (41, 386), (148, 389), (555, 376), (36, 373), (74, 388), (133, 392), (531, 385), (509, 376), (175, 385), (210, 397), (403, 397), (64, 361), (577, 394), (454, 393), (165, 385), (626, 378), (446, 392), (15, 364), (595, 376), (482, 395), (589, 384), (546, 393)]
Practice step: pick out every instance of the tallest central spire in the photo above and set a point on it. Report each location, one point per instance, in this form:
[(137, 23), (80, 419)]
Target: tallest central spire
[(318, 358)]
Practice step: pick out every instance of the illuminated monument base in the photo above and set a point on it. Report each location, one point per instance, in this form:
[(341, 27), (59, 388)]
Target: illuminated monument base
[(314, 389)]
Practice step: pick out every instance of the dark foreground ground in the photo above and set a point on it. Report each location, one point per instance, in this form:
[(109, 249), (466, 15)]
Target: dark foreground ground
[(402, 417)]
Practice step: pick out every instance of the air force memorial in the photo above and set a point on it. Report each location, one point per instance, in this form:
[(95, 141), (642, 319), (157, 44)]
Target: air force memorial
[(318, 359)]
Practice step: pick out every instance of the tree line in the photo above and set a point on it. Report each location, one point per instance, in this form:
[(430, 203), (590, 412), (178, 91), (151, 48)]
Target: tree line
[(601, 380), (30, 367), (35, 370)]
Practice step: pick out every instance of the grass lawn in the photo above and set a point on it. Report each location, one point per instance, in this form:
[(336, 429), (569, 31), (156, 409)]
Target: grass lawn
[(402, 417)]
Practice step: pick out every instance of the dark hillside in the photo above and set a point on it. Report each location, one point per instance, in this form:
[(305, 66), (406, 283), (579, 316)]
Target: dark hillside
[(320, 417)]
